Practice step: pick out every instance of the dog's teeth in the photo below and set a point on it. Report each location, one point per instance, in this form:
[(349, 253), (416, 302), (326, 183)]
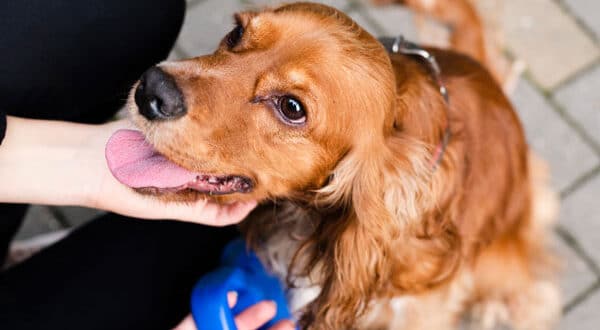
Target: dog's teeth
[(213, 180)]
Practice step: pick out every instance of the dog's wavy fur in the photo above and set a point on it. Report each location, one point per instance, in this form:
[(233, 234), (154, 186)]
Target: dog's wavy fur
[(354, 215)]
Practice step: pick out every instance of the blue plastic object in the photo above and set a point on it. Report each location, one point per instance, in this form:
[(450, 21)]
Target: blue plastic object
[(240, 271)]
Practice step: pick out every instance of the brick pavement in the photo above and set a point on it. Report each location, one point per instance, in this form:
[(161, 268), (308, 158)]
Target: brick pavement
[(558, 100)]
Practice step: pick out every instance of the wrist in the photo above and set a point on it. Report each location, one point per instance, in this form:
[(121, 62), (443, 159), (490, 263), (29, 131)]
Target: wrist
[(45, 162)]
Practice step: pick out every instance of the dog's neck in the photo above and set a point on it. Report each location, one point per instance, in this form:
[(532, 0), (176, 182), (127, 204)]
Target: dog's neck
[(401, 46), (276, 231), (421, 112)]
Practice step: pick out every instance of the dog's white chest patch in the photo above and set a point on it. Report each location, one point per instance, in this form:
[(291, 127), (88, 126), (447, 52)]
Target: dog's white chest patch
[(298, 298), (276, 255)]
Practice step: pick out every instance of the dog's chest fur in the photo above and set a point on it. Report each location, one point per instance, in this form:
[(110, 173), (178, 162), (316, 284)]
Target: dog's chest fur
[(290, 225)]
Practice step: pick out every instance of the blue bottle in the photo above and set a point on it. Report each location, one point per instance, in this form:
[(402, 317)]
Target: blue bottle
[(240, 271)]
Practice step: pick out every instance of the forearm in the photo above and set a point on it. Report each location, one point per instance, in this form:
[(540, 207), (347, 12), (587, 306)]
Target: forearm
[(44, 162), (60, 163)]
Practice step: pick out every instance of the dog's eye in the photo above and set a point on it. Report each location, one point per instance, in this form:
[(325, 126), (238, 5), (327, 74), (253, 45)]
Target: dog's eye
[(234, 37), (291, 110)]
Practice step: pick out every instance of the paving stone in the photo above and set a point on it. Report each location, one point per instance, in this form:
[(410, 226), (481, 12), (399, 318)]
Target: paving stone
[(206, 23), (581, 99), (386, 21), (551, 137), (587, 11), (38, 220), (177, 54), (191, 3), (77, 216), (174, 56), (580, 214), (583, 317), (575, 275), (547, 39), (360, 19)]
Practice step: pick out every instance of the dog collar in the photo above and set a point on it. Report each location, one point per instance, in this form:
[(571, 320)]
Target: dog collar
[(399, 45)]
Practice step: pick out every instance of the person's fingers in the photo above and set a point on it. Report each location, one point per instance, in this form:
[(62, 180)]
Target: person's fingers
[(234, 213), (256, 315), (250, 319), (187, 324), (202, 211), (283, 325), (211, 213), (232, 298)]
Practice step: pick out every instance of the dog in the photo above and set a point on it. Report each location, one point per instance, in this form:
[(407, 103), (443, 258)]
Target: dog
[(393, 195)]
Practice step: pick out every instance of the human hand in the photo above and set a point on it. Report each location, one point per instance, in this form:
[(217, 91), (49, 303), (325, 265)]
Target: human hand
[(62, 163), (111, 195), (250, 319)]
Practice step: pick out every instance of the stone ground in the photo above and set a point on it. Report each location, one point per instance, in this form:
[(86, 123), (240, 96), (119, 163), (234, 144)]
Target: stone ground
[(558, 99)]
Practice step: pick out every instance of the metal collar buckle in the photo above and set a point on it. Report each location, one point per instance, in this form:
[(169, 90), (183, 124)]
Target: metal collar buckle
[(405, 47), (402, 46)]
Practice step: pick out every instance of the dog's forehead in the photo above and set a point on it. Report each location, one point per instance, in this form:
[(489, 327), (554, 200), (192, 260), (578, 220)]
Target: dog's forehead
[(285, 40), (273, 25)]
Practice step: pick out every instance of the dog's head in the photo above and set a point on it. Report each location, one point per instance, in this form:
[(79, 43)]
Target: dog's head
[(269, 114), (298, 101)]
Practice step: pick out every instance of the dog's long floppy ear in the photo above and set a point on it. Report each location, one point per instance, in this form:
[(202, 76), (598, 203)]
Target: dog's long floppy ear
[(388, 239)]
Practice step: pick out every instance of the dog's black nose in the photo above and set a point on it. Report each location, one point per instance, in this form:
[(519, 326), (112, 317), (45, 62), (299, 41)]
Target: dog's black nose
[(158, 97)]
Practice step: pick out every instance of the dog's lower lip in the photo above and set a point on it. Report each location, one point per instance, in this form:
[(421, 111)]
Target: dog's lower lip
[(210, 185), (137, 164)]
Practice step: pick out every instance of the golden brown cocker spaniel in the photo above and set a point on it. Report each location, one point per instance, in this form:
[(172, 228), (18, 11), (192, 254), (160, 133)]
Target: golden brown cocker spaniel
[(302, 109)]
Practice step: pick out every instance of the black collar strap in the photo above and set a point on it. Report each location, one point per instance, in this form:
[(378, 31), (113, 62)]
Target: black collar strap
[(399, 45)]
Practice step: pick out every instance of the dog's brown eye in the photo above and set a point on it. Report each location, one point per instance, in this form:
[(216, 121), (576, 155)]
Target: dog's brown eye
[(291, 110), (234, 37)]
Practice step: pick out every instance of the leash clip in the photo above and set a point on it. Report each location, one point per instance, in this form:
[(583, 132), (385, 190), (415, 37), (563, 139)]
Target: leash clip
[(403, 46)]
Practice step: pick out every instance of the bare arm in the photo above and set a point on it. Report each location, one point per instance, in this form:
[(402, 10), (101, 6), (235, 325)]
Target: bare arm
[(61, 163)]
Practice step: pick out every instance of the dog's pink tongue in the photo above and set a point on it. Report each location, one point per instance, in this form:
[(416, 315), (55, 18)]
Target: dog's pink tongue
[(136, 164)]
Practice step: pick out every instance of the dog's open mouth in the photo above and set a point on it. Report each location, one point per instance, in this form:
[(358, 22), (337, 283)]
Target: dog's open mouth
[(135, 163)]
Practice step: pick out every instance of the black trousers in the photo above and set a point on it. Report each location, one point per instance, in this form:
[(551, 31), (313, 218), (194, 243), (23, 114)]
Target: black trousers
[(76, 60)]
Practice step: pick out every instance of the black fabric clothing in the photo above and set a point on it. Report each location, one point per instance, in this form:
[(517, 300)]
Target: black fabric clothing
[(2, 126), (114, 273), (10, 221), (76, 60)]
